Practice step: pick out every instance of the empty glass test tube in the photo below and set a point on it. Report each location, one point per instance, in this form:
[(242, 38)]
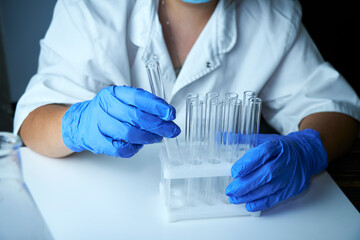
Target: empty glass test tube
[(215, 130), (189, 98), (235, 105), (224, 181), (230, 144), (208, 97), (244, 139), (195, 131), (157, 88), (173, 151), (214, 119), (253, 118), (246, 96), (194, 185), (194, 189), (226, 118), (154, 75), (210, 190)]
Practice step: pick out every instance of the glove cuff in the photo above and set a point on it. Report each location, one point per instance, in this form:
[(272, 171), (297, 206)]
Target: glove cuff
[(311, 141), (70, 125)]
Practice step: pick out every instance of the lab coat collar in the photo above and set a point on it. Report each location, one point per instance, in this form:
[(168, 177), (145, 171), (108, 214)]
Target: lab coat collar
[(142, 21), (217, 38)]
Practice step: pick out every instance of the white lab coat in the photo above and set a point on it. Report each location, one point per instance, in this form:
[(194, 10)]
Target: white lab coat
[(257, 45)]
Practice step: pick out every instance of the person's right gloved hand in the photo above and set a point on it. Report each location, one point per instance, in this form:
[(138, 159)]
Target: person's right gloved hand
[(118, 121)]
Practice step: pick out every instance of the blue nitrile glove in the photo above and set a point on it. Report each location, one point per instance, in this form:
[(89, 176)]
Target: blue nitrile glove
[(118, 121), (277, 169)]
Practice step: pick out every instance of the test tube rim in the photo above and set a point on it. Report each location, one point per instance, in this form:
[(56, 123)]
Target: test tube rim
[(215, 94), (235, 95), (196, 101), (235, 101), (216, 101), (255, 100), (253, 93), (192, 95), (152, 64)]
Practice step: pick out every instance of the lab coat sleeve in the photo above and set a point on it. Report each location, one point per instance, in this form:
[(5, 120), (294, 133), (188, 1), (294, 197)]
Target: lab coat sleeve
[(304, 83), (70, 67)]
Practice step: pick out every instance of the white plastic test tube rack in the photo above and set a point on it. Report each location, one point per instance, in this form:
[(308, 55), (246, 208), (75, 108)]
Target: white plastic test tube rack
[(196, 170)]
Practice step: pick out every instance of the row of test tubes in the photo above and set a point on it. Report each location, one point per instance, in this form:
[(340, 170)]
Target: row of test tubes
[(218, 131), (216, 124), (221, 129)]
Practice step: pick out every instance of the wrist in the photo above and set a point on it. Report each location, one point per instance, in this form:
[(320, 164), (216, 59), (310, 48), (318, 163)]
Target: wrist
[(70, 126), (310, 142)]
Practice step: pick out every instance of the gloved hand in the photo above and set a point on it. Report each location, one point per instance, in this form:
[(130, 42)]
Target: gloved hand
[(118, 121), (277, 169)]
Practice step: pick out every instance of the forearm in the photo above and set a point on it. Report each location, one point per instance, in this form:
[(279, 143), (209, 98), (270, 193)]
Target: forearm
[(41, 131), (337, 131)]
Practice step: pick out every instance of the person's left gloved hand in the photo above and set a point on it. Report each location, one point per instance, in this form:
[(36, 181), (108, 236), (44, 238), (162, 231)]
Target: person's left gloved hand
[(277, 169)]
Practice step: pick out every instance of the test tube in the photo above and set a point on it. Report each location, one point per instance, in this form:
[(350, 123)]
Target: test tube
[(254, 117), (226, 118), (215, 114), (210, 192), (246, 96), (194, 185), (157, 88), (173, 151), (215, 128), (227, 122), (195, 131), (189, 98), (208, 97), (244, 138), (154, 75), (235, 105), (193, 190), (231, 142)]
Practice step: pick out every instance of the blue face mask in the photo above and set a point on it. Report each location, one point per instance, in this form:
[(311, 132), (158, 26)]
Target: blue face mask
[(196, 1)]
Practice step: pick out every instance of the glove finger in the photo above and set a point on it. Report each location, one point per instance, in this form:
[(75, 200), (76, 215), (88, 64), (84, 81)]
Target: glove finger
[(258, 178), (126, 150), (118, 131), (262, 138), (147, 122), (267, 202), (145, 101), (136, 117), (270, 188), (114, 148), (256, 157)]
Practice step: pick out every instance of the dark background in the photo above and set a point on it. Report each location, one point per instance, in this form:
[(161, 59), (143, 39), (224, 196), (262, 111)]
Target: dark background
[(333, 26), (22, 24)]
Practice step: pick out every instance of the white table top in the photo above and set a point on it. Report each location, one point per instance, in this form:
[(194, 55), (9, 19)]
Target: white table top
[(87, 196)]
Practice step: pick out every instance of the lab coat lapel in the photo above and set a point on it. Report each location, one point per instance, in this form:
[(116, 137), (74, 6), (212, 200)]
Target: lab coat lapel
[(217, 38), (145, 32), (140, 22)]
